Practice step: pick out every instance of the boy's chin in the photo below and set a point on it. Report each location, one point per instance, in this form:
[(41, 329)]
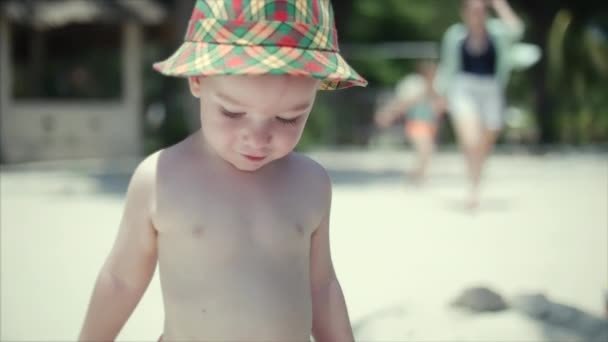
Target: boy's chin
[(249, 166)]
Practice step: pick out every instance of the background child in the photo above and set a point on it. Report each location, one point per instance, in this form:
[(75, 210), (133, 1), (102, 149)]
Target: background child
[(238, 223), (416, 100)]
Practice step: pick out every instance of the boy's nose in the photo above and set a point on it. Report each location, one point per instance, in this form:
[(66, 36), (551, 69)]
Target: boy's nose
[(258, 136)]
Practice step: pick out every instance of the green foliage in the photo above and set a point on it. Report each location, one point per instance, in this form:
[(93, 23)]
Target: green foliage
[(578, 77), (399, 20), (318, 129)]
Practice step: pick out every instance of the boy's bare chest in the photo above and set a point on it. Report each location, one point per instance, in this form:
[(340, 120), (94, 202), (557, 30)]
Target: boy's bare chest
[(227, 215)]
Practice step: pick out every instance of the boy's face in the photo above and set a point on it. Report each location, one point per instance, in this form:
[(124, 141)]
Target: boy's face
[(250, 121)]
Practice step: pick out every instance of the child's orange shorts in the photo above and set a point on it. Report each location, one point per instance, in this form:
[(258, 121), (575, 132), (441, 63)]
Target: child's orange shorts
[(419, 128)]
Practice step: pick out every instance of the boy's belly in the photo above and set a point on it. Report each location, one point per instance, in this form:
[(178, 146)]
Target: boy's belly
[(289, 321), (246, 294)]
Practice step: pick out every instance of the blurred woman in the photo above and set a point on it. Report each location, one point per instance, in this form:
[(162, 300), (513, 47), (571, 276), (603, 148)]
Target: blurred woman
[(473, 73)]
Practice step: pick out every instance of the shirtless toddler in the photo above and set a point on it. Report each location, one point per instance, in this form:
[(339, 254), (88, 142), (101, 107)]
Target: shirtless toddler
[(236, 221)]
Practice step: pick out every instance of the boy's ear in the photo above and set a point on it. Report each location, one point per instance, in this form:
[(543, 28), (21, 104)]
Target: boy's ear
[(195, 86)]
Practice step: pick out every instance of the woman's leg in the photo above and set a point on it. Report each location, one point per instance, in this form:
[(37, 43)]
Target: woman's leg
[(482, 153), (490, 101), (489, 140), (469, 133), (476, 108)]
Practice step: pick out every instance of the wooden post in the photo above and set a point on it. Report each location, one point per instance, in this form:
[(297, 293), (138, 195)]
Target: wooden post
[(5, 84), (132, 80)]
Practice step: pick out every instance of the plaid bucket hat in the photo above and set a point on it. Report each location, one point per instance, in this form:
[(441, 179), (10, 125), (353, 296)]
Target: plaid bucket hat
[(261, 37)]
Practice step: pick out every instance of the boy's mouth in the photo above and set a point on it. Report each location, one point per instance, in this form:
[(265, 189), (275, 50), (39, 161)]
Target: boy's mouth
[(253, 158)]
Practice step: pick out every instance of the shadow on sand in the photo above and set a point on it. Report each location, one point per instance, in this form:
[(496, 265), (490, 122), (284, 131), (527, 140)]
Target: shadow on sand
[(555, 321)]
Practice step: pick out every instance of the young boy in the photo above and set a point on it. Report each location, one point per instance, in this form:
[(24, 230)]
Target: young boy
[(238, 223), (416, 99)]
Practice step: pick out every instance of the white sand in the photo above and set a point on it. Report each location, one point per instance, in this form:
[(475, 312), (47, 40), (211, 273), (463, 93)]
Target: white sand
[(401, 253)]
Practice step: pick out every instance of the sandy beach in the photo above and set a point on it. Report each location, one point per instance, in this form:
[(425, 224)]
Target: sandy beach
[(402, 252)]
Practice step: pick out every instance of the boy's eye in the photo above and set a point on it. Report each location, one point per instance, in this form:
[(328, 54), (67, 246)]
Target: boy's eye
[(230, 114), (287, 121)]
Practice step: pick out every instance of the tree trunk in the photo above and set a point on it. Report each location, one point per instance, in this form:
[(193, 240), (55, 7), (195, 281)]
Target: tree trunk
[(543, 13), (544, 100)]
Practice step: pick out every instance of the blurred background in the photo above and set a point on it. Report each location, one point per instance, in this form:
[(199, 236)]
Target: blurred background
[(77, 78), (80, 105)]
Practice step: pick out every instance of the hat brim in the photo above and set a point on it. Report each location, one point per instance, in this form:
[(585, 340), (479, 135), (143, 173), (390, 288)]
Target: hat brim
[(205, 59)]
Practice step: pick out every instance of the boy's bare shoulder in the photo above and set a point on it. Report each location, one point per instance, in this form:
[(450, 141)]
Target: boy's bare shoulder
[(311, 185), (144, 174), (149, 168), (309, 171), (307, 165)]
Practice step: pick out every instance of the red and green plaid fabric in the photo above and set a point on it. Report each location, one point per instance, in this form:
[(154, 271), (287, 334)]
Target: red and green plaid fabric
[(257, 37)]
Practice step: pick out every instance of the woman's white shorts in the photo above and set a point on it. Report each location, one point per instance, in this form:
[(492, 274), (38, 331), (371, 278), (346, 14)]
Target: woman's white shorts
[(477, 97)]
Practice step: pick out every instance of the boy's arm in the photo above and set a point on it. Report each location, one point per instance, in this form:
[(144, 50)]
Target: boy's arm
[(330, 316), (130, 265)]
